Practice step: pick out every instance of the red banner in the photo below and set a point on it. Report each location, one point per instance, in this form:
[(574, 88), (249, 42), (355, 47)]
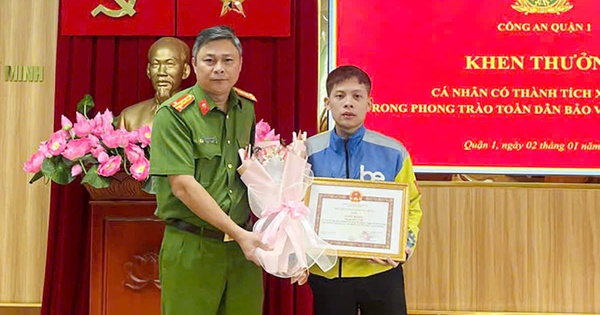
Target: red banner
[(248, 18), (118, 17), (481, 86)]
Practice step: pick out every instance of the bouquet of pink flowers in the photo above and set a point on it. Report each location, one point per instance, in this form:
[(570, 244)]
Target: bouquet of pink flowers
[(277, 177), (92, 148)]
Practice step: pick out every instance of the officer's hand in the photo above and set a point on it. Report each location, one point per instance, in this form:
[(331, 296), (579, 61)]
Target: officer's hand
[(301, 278), (249, 242), (408, 252), (386, 261)]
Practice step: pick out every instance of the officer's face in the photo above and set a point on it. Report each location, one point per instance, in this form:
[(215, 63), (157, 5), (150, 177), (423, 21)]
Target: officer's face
[(217, 66), (166, 69), (349, 103)]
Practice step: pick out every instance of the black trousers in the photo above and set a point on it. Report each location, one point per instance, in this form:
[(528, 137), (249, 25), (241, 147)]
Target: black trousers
[(379, 294)]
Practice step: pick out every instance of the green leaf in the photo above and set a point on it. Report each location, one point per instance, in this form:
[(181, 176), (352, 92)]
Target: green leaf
[(68, 163), (85, 105), (56, 169), (93, 179), (88, 159), (36, 177)]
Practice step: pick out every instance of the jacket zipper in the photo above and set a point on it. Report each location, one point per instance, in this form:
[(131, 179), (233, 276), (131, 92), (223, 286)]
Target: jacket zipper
[(347, 161), (347, 176)]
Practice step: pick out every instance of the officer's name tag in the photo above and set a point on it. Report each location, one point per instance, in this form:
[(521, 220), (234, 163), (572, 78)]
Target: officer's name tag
[(208, 140)]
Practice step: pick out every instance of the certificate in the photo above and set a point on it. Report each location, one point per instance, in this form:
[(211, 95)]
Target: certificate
[(361, 219)]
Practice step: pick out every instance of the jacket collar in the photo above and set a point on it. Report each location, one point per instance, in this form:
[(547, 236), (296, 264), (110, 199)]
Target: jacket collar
[(337, 142), (233, 101)]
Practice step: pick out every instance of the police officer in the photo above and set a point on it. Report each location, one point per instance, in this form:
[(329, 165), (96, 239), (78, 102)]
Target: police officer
[(194, 156)]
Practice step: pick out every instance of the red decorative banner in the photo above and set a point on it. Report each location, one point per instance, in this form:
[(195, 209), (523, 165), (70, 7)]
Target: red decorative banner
[(481, 86), (247, 17), (118, 17)]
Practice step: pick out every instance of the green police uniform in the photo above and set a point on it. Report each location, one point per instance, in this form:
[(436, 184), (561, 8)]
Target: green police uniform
[(191, 136)]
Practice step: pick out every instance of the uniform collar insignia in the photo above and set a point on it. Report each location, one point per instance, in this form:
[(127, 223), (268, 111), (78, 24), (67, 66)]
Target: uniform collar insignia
[(204, 107)]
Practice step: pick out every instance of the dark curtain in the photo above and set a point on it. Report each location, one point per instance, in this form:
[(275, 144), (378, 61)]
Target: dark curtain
[(280, 72)]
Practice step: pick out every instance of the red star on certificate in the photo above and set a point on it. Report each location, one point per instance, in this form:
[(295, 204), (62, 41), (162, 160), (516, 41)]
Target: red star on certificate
[(232, 5)]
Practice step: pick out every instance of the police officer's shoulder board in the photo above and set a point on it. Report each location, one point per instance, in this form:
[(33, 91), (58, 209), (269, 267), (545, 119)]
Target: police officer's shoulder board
[(182, 102), (245, 94)]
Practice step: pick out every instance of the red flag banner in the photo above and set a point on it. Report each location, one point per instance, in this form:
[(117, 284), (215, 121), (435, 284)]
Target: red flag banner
[(270, 18), (118, 17), (481, 86)]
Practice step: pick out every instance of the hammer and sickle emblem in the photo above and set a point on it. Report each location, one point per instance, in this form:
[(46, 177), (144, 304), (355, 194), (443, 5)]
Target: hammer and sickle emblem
[(126, 9)]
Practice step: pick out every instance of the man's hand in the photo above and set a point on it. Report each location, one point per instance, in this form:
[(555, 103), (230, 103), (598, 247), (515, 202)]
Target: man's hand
[(389, 261), (408, 251), (249, 242), (386, 261), (301, 278)]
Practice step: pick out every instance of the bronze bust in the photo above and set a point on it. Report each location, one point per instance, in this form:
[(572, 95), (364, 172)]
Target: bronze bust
[(168, 66)]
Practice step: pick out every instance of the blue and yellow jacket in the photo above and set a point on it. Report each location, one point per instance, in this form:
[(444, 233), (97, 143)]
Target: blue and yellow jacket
[(366, 155)]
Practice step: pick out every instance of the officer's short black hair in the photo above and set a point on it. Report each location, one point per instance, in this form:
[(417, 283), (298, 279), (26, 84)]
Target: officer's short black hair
[(216, 33), (343, 73)]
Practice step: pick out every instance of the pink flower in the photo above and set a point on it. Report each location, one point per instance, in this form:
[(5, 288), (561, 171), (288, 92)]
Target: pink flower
[(76, 170), (97, 126), (132, 136), (110, 166), (102, 123), (107, 118), (123, 139), (134, 153), (264, 132), (43, 148), (82, 127), (102, 157), (94, 141), (65, 123), (96, 150), (271, 136), (77, 148), (139, 170), (144, 135), (115, 138), (34, 164), (57, 143)]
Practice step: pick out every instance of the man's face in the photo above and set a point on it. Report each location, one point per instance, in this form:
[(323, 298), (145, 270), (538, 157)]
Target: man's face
[(349, 103), (166, 69), (217, 66)]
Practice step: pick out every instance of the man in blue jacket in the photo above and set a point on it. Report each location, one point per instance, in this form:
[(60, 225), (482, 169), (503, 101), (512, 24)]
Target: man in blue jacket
[(375, 286)]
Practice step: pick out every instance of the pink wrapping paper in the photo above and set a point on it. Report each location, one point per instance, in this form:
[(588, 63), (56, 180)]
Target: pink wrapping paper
[(276, 188)]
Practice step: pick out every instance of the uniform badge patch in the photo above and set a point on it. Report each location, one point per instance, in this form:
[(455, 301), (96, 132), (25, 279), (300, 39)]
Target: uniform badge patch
[(182, 102), (204, 107)]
